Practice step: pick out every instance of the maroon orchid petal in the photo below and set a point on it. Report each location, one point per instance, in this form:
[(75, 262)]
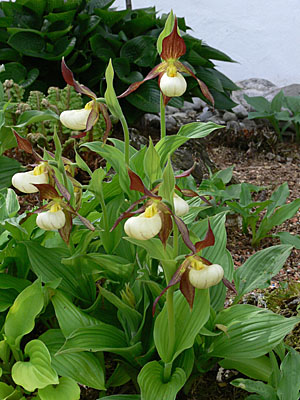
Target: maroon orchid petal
[(65, 193), (46, 191), (85, 221), (173, 45), (187, 289), (174, 280), (129, 213), (209, 240), (137, 184), (65, 231), (104, 112), (166, 229), (184, 233), (24, 144), (204, 89), (187, 172), (152, 74), (69, 78), (92, 118), (229, 285), (203, 260)]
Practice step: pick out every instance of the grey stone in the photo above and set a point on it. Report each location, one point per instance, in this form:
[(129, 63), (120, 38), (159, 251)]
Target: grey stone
[(171, 123), (289, 90), (205, 115), (234, 125), (270, 156), (229, 116), (198, 103), (248, 124), (240, 111), (187, 106), (171, 109), (152, 120), (217, 120)]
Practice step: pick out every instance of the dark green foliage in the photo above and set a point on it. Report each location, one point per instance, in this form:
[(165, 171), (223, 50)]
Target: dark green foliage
[(34, 36)]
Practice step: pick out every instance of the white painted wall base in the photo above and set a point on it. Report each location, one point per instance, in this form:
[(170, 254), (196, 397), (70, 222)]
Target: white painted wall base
[(263, 36)]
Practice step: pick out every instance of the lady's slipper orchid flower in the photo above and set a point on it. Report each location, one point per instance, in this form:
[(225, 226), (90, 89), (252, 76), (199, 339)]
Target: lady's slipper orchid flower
[(51, 220), (181, 207), (195, 271), (146, 225), (87, 117), (170, 81), (24, 181)]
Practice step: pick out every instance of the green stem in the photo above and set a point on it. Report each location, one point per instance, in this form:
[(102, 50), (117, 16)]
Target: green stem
[(162, 117), (104, 211), (126, 139), (175, 240)]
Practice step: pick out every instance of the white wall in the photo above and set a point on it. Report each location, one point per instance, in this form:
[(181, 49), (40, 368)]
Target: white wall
[(262, 35)]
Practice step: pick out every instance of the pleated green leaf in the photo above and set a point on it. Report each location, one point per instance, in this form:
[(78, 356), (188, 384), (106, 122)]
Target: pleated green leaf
[(259, 269), (36, 373), (66, 389), (266, 392), (21, 316), (152, 385), (187, 324), (83, 367), (289, 384), (249, 332)]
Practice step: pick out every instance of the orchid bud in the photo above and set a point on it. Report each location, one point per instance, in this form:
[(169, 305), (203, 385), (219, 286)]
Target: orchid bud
[(145, 226), (181, 207), (172, 86), (76, 119), (203, 276), (51, 220), (24, 181)]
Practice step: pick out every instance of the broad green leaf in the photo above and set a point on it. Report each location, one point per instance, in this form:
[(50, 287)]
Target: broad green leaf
[(259, 269), (8, 392), (21, 315), (193, 130), (12, 203), (277, 102), (283, 213), (84, 367), (278, 198), (187, 324), (103, 337), (264, 390), (8, 167), (288, 238), (116, 158), (67, 388), (36, 373), (28, 42), (33, 116), (152, 164), (153, 386), (47, 264), (245, 325), (69, 316), (146, 98), (122, 397), (259, 103), (289, 384), (256, 368), (82, 164), (154, 248), (110, 95)]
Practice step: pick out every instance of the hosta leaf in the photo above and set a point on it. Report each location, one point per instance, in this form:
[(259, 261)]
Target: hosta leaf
[(66, 389), (153, 386), (21, 315), (84, 367), (69, 316), (36, 373), (187, 324), (258, 270), (289, 384), (245, 325)]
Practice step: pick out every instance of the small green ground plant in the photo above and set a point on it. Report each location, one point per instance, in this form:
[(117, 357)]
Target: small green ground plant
[(118, 274)]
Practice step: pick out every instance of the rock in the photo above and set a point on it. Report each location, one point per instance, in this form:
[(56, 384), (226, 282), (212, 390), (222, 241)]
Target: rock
[(205, 115), (181, 116), (234, 125), (171, 123), (217, 120), (289, 90), (187, 106), (251, 87), (152, 120), (229, 116), (248, 124), (240, 111), (198, 103), (171, 109)]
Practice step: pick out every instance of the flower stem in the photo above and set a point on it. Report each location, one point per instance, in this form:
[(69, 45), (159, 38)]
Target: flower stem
[(126, 139), (171, 333), (175, 240), (162, 117)]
